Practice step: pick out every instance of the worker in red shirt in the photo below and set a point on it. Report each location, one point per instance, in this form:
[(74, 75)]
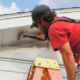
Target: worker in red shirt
[(64, 36)]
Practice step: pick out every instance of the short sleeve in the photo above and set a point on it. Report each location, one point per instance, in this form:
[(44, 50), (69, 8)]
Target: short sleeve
[(58, 37)]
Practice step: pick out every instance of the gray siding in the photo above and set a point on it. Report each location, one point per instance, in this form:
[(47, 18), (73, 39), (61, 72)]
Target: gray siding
[(16, 61)]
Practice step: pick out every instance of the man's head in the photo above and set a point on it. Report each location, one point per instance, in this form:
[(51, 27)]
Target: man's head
[(42, 17)]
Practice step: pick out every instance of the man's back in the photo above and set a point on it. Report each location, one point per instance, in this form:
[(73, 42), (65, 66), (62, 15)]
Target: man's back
[(62, 32)]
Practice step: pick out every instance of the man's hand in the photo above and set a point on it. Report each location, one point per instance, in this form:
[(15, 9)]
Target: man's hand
[(68, 59)]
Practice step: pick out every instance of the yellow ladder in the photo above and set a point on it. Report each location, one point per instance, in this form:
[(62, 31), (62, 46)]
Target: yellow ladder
[(45, 69)]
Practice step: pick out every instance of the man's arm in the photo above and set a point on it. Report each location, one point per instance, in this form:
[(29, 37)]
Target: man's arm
[(68, 59)]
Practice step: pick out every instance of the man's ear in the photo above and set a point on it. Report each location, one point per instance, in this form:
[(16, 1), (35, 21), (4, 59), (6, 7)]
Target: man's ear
[(43, 21)]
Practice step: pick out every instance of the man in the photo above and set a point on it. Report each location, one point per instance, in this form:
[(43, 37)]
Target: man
[(64, 36)]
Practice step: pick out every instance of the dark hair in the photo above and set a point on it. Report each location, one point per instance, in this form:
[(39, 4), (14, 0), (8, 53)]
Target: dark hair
[(49, 16)]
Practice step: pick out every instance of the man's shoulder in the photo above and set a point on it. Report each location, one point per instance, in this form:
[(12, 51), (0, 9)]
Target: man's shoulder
[(55, 24)]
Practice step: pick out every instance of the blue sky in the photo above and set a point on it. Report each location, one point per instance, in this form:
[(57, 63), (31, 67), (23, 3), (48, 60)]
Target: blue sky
[(13, 6), (22, 4)]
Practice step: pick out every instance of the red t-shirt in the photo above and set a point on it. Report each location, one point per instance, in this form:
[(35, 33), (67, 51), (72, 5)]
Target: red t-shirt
[(62, 32)]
